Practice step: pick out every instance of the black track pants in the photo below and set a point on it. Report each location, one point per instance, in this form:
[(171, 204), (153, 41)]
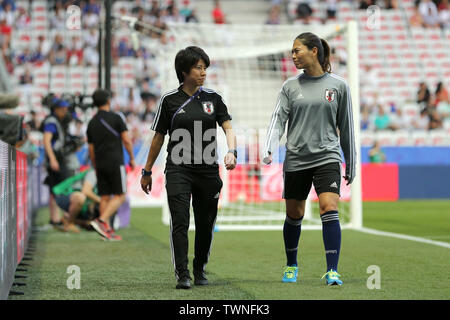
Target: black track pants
[(205, 189)]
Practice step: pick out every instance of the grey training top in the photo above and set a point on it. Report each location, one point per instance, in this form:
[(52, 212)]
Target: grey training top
[(319, 111)]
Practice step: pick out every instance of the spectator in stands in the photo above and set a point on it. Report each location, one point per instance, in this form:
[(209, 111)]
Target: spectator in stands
[(10, 3), (115, 103), (125, 49), (75, 52), (91, 19), (132, 101), (398, 121), (58, 52), (91, 6), (274, 15), (5, 29), (8, 62), (138, 5), (370, 75), (218, 14), (331, 10), (441, 94), (390, 4), (416, 19), (444, 14), (366, 120), (423, 122), (160, 24), (25, 56), (435, 119), (364, 4), (90, 54), (41, 49), (149, 100), (91, 38), (23, 19), (423, 95), (122, 24), (304, 13), (429, 12), (174, 14), (188, 11), (381, 119), (26, 85), (376, 155), (155, 8), (8, 13), (443, 108), (58, 18), (141, 17), (26, 77), (192, 17)]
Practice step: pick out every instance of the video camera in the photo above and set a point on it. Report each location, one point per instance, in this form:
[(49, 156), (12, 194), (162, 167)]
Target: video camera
[(75, 101), (73, 143)]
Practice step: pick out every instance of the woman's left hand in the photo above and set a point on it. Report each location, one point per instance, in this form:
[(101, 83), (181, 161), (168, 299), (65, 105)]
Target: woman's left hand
[(230, 161)]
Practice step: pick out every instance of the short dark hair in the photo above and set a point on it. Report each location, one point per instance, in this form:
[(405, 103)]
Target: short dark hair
[(101, 97), (188, 58)]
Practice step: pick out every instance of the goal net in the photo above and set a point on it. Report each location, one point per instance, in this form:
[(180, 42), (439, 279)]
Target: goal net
[(249, 64)]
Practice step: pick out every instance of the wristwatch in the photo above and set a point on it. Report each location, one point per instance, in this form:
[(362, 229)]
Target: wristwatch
[(146, 173), (233, 151)]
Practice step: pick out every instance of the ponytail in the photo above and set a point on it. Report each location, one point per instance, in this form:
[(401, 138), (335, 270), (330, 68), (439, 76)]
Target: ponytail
[(325, 63)]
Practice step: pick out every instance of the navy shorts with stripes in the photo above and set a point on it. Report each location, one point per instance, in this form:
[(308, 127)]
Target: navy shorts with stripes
[(326, 178), (111, 180)]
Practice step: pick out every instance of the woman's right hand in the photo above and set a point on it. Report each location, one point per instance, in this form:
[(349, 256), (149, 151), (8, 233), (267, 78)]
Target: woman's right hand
[(54, 165), (146, 184), (268, 159)]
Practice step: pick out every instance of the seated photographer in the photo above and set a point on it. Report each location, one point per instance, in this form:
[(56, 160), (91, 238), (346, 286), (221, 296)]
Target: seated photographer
[(78, 198)]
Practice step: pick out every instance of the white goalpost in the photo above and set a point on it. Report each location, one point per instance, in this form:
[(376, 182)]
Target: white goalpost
[(249, 64)]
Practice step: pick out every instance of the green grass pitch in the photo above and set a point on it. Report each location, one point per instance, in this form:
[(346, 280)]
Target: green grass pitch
[(248, 265)]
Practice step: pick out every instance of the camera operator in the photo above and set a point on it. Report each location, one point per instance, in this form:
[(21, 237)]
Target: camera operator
[(61, 161)]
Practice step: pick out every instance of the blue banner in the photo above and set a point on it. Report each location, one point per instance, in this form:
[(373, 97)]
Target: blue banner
[(424, 182)]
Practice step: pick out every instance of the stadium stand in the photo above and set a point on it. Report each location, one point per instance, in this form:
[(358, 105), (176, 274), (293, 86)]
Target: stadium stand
[(395, 56)]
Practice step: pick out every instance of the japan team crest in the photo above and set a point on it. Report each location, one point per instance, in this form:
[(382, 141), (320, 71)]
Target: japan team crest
[(208, 107), (330, 95)]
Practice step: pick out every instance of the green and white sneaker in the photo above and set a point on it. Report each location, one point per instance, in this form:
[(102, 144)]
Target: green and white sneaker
[(332, 278), (290, 274)]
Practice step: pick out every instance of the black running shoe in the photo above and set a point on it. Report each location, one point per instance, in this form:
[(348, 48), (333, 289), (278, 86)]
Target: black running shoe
[(200, 278), (184, 283)]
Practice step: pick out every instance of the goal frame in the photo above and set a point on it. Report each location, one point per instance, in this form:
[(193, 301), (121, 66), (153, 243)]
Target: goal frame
[(355, 203)]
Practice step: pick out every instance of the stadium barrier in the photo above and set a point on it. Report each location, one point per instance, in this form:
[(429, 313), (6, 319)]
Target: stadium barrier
[(21, 195)]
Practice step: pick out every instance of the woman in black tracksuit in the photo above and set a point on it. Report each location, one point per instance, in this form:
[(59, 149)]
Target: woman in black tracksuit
[(189, 115)]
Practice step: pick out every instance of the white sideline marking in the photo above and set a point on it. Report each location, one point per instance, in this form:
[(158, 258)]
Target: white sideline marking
[(404, 237)]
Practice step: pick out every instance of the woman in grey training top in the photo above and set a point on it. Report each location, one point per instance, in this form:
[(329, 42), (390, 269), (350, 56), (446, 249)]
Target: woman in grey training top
[(318, 106)]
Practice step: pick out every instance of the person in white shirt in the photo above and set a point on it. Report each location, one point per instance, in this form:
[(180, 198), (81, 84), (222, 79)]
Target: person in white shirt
[(429, 12)]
